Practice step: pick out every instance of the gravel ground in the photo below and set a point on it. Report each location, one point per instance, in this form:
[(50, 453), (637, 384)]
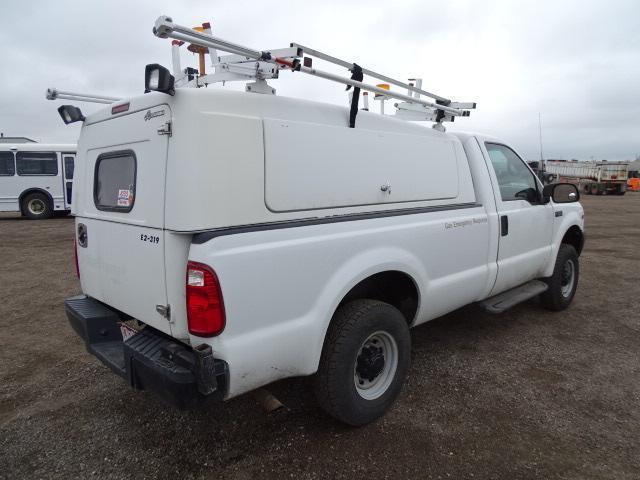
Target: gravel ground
[(526, 394)]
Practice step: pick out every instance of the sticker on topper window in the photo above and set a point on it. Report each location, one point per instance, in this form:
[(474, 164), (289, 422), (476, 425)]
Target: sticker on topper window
[(125, 197)]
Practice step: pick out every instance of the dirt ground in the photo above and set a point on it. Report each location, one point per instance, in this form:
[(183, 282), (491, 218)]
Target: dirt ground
[(525, 394)]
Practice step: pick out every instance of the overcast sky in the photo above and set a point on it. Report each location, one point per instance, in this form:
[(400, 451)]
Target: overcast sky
[(577, 63)]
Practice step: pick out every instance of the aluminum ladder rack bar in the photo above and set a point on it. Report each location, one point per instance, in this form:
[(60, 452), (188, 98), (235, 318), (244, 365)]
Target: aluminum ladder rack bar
[(381, 91), (55, 94), (165, 28), (371, 73)]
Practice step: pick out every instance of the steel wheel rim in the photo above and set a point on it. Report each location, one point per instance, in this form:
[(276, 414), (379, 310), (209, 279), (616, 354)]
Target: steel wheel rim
[(568, 278), (36, 206), (369, 384)]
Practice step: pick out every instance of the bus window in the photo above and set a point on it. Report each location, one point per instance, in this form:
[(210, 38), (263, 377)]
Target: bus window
[(7, 164), (68, 168), (37, 163)]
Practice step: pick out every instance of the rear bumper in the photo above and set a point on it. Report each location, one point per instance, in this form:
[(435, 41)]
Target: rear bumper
[(149, 360)]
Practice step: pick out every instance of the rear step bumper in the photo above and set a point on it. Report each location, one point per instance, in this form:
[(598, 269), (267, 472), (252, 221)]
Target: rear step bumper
[(181, 376)]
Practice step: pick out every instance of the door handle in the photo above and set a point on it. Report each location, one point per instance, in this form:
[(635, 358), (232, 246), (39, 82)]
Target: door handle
[(504, 225)]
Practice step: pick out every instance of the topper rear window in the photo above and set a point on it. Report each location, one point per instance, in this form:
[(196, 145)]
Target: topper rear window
[(114, 181)]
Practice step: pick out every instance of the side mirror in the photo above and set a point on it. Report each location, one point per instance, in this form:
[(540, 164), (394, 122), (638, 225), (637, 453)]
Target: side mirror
[(158, 79), (560, 193), (70, 114)]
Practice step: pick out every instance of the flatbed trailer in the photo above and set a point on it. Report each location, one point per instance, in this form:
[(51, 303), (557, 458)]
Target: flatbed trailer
[(597, 178)]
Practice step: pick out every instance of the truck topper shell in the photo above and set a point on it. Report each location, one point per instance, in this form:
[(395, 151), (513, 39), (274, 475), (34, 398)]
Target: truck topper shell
[(262, 158)]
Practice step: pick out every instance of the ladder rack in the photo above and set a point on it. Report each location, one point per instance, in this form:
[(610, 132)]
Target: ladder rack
[(54, 94), (244, 64)]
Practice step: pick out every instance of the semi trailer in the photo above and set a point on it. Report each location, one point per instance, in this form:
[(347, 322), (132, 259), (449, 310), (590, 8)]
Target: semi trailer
[(596, 178)]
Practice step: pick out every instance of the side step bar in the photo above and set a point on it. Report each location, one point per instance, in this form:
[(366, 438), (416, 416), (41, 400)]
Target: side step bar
[(505, 300)]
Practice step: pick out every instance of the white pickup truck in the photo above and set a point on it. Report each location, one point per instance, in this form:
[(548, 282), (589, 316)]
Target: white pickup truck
[(226, 240)]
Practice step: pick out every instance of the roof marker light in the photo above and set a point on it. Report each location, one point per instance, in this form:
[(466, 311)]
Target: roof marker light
[(123, 107)]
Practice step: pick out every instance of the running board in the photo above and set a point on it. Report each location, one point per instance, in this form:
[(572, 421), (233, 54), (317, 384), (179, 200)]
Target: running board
[(505, 300)]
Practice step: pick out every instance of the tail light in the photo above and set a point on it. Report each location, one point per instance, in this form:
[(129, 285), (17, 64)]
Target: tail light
[(205, 307), (75, 257)]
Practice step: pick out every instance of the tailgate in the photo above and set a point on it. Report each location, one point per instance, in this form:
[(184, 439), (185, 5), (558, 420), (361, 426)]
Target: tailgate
[(121, 209)]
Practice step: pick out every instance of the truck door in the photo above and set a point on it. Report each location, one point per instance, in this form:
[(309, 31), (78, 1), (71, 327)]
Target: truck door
[(119, 208), (68, 164), (526, 225)]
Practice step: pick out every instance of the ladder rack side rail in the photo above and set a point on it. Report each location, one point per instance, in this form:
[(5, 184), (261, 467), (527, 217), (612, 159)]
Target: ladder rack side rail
[(381, 91), (165, 27), (371, 73)]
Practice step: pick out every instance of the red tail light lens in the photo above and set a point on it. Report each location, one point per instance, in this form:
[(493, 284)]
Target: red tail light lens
[(205, 307), (75, 257)]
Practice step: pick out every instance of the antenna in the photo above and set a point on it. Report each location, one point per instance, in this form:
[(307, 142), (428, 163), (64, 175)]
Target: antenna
[(540, 135)]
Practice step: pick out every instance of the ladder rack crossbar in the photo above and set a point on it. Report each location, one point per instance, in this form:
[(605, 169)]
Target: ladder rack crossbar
[(290, 52), (370, 73), (54, 94)]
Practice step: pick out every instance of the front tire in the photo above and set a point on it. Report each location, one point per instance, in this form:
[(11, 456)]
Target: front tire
[(364, 362), (564, 280), (36, 206)]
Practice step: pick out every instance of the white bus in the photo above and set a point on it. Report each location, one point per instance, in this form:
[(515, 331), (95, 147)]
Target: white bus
[(36, 179)]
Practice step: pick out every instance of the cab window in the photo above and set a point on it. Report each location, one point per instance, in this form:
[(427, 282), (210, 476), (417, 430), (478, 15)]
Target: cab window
[(37, 163), (115, 181), (515, 180), (7, 164)]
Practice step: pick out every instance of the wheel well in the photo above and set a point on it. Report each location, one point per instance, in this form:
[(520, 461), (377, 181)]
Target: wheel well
[(393, 287), (575, 238), (29, 192)]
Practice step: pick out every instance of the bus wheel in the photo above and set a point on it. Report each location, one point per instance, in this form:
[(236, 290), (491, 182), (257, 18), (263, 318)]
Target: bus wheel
[(36, 206)]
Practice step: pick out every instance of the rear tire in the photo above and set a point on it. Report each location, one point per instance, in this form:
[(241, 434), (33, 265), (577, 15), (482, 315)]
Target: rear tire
[(564, 280), (36, 206), (365, 360)]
